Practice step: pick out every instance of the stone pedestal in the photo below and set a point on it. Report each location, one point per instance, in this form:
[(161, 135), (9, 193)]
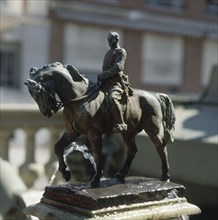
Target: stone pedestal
[(138, 198)]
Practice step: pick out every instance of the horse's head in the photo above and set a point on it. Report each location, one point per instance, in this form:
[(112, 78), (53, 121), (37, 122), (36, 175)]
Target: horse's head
[(55, 78), (41, 87), (44, 95)]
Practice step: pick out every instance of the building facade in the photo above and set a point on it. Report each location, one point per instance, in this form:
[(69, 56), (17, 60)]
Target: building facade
[(171, 44), (24, 40)]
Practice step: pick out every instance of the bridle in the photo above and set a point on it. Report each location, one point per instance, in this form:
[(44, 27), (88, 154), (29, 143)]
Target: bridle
[(55, 105), (49, 89)]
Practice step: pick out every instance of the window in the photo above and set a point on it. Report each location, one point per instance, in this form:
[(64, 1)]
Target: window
[(210, 59), (162, 59), (167, 4), (9, 65), (85, 47), (212, 7)]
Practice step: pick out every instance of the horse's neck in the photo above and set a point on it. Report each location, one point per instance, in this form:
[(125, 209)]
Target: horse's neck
[(70, 90)]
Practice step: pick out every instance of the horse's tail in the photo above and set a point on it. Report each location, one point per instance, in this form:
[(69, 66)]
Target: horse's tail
[(169, 116)]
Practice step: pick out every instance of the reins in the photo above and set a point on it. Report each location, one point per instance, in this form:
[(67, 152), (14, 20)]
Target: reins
[(88, 93)]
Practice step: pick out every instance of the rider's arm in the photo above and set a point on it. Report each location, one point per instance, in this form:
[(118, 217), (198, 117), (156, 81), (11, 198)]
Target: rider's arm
[(120, 58)]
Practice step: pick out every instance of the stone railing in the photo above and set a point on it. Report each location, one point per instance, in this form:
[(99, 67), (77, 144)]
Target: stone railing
[(27, 117), (30, 120)]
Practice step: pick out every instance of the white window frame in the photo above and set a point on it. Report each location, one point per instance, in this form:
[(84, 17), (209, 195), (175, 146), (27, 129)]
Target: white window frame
[(155, 61), (209, 60)]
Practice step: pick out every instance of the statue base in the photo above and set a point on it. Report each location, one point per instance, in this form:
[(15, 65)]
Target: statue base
[(138, 198)]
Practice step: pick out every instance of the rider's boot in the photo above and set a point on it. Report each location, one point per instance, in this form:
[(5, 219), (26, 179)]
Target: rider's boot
[(119, 128), (120, 125)]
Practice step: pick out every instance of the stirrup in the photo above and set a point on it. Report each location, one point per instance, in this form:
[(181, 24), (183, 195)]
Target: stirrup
[(119, 128)]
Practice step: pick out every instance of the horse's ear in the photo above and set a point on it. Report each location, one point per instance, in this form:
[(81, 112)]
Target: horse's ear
[(33, 70), (75, 74)]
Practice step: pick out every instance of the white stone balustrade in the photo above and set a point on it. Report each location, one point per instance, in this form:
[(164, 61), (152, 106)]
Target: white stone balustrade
[(30, 120)]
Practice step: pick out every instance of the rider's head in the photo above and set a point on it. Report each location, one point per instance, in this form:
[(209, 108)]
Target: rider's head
[(113, 39)]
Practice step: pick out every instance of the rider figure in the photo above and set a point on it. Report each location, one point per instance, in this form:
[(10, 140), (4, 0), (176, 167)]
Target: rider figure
[(114, 79)]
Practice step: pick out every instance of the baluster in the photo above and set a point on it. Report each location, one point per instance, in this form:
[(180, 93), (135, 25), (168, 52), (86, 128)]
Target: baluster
[(52, 164), (4, 144), (30, 170), (30, 146)]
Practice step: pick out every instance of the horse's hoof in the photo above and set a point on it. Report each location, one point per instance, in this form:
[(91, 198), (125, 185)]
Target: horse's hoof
[(120, 178), (67, 175), (95, 184), (165, 178)]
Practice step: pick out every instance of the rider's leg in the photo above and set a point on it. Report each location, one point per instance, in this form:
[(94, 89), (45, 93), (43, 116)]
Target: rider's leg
[(120, 125)]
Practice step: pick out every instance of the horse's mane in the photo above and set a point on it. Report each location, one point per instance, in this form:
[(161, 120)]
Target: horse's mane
[(75, 74)]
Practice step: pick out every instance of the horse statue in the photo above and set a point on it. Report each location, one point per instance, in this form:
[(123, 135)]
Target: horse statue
[(87, 111)]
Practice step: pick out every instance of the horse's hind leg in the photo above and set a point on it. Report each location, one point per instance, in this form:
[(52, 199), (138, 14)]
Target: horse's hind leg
[(129, 140), (162, 151), (96, 143)]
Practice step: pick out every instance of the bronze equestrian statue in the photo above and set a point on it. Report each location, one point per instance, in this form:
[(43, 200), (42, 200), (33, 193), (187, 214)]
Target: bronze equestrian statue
[(114, 80), (87, 111)]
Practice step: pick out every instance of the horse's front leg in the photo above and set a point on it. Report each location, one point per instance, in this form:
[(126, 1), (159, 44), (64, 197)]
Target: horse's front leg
[(64, 141), (96, 143)]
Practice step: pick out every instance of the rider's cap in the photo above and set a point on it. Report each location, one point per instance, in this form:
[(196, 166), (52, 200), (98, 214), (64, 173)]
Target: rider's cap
[(113, 35)]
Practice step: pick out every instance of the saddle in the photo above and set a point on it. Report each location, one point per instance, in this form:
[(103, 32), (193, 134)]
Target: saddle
[(97, 96)]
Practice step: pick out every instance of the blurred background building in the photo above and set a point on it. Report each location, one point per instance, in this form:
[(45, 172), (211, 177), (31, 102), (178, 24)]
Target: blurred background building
[(171, 44), (172, 47)]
